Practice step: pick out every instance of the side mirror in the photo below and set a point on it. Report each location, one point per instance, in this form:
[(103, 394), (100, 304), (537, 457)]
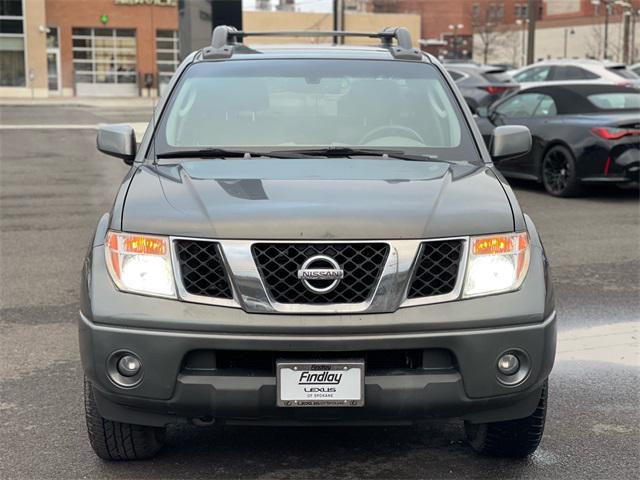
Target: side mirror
[(117, 140), (510, 141)]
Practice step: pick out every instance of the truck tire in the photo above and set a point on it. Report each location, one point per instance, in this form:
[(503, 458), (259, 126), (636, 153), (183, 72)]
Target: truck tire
[(119, 441), (512, 438)]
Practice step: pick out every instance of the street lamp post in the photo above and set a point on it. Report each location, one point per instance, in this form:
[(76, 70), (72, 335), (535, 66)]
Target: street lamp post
[(567, 32), (523, 22), (455, 28), (628, 28), (597, 3), (608, 10)]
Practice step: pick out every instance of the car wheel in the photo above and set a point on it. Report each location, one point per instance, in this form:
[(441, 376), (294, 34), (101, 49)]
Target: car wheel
[(559, 174), (119, 441), (513, 438)]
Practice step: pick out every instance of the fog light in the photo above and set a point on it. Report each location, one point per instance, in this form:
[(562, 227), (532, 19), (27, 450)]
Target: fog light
[(508, 364), (129, 366)]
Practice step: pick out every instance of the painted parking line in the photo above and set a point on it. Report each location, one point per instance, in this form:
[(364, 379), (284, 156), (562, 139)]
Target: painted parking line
[(50, 127), (139, 127)]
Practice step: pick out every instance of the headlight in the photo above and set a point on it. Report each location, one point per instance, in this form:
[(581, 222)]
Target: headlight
[(140, 263), (497, 263)]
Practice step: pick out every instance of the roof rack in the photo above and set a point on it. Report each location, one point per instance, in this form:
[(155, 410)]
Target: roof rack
[(225, 38)]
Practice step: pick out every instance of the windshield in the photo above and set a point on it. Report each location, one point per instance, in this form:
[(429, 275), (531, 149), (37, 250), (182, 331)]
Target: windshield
[(294, 104)]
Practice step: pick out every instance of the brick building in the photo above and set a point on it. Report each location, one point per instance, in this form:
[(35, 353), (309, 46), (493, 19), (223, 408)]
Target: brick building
[(105, 47), (450, 29), (118, 47)]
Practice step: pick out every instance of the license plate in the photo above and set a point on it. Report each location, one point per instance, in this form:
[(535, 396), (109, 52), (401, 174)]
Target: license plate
[(320, 383)]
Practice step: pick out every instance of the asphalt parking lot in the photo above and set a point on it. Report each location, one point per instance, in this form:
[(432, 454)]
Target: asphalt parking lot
[(53, 187)]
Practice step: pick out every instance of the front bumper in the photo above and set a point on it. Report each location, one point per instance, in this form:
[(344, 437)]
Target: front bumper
[(169, 394), (164, 333)]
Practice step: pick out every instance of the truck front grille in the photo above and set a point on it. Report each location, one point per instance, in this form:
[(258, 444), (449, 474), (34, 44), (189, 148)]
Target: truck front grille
[(278, 264), (436, 271), (202, 269)]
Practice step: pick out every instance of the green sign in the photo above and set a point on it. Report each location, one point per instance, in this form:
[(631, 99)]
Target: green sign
[(104, 18)]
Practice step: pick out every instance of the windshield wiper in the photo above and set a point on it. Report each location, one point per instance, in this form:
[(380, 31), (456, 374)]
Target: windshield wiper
[(220, 153), (332, 152)]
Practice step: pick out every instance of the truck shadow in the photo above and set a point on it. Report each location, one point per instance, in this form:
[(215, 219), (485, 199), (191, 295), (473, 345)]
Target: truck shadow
[(432, 449)]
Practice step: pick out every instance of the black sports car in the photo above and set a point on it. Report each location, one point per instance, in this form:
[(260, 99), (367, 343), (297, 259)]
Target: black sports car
[(582, 134)]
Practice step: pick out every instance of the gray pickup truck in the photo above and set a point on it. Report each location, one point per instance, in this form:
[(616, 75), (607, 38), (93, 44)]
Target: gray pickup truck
[(314, 235)]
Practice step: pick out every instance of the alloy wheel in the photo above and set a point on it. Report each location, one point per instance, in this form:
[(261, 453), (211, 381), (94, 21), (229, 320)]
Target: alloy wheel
[(556, 171)]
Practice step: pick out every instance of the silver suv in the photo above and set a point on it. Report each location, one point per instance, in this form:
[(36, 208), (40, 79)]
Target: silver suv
[(577, 70)]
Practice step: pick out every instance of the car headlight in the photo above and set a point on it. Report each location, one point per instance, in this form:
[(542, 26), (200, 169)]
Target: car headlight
[(140, 263), (497, 263)]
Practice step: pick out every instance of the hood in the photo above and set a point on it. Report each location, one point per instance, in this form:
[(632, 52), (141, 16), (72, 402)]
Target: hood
[(316, 199)]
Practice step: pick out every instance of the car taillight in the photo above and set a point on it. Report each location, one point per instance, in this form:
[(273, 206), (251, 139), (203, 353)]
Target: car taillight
[(493, 90), (613, 133)]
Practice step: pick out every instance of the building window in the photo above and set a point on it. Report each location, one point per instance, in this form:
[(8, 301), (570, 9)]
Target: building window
[(167, 54), (521, 10), (12, 64), (496, 11), (104, 55), (475, 11)]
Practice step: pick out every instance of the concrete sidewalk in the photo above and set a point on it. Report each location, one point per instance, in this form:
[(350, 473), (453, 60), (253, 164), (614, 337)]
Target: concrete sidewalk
[(615, 343)]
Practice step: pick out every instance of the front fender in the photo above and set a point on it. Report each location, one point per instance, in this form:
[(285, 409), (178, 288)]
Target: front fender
[(536, 242)]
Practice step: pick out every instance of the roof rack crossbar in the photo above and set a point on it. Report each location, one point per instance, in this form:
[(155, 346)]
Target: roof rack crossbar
[(224, 39)]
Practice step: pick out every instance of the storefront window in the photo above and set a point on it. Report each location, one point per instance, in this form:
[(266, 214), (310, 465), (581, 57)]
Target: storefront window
[(12, 67), (104, 55), (167, 55)]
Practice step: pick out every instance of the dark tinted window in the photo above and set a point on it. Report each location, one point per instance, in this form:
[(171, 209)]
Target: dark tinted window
[(11, 8), (570, 72), (498, 77), (522, 105), (10, 26)]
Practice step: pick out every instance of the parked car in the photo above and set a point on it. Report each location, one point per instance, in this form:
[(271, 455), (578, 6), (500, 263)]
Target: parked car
[(586, 70), (635, 69), (505, 66), (583, 133), (314, 236), (481, 85)]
